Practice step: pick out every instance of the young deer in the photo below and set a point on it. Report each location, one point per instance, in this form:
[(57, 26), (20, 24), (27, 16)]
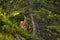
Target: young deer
[(23, 24)]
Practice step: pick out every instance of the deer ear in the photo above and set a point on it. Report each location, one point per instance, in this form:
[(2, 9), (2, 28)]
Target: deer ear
[(24, 16)]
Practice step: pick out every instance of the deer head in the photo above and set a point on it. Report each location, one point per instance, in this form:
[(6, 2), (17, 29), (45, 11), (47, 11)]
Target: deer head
[(23, 23)]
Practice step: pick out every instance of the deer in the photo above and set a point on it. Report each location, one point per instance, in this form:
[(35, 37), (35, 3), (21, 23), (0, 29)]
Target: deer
[(23, 24)]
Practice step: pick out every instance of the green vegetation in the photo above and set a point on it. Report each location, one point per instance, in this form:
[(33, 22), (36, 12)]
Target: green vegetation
[(46, 13)]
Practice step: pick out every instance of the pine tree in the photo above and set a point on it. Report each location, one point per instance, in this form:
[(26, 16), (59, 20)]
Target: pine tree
[(44, 16)]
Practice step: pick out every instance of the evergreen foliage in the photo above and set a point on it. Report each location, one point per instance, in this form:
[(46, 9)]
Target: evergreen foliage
[(12, 11)]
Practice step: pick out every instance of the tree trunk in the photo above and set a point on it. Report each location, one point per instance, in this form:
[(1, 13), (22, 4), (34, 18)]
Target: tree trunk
[(33, 23), (32, 18)]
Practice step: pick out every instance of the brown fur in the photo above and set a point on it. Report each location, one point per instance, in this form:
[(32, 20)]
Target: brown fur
[(23, 24)]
